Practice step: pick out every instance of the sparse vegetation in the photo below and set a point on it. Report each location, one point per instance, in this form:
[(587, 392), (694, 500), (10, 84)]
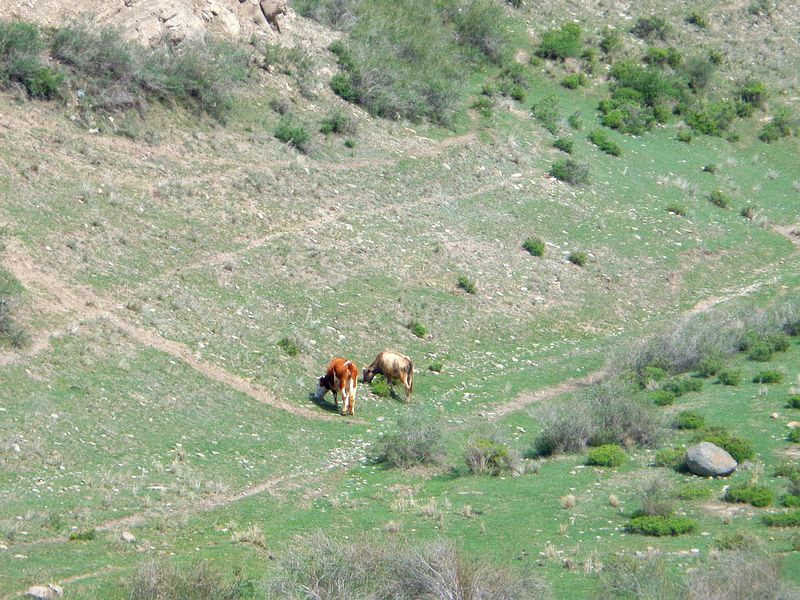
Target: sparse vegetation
[(674, 458), (534, 246), (86, 535), (417, 440), (289, 346), (160, 580), (417, 328), (490, 455), (768, 376), (689, 419), (600, 139), (293, 133), (467, 284), (578, 258), (729, 377), (719, 198)]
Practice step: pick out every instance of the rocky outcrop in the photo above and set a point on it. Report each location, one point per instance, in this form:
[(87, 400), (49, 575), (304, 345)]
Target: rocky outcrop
[(709, 460), (45, 592)]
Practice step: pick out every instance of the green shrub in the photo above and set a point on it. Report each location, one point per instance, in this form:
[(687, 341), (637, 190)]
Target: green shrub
[(650, 374), (753, 92), (337, 122), (783, 124), (729, 377), (788, 469), (161, 580), (710, 168), (546, 113), (289, 346), (600, 139), (349, 143), (484, 105), (489, 455), (684, 136), (609, 455), (663, 57), (789, 519), (653, 85), (578, 258), (417, 440), (794, 401), (380, 387), (694, 491), (689, 419), (674, 458), (436, 366), (756, 495), (697, 71), (83, 536), (769, 376), (794, 435), (289, 131), (738, 540), (649, 28), (711, 118), (677, 209), (575, 121), (535, 246), (682, 385), (574, 81), (697, 18), (663, 397), (564, 144), (611, 41), (739, 448), (710, 365), (467, 284), (719, 198), (791, 501), (661, 526), (20, 61), (11, 333), (561, 43), (570, 171), (480, 25), (417, 328), (748, 212)]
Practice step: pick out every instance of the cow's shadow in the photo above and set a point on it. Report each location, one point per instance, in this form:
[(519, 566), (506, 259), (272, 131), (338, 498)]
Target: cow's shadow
[(325, 404)]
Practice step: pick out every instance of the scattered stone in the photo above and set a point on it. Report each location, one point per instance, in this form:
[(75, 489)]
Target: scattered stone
[(45, 592), (774, 416), (793, 424), (128, 537), (709, 460)]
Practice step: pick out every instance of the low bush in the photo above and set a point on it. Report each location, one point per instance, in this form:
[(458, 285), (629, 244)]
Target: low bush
[(600, 139), (729, 377), (719, 198), (794, 435), (788, 519), (748, 212), (756, 495), (738, 540), (467, 284), (739, 574), (481, 27), (574, 81), (578, 258), (291, 132), (21, 62), (794, 401), (609, 455), (662, 397), (739, 448), (83, 536), (697, 18), (663, 57), (783, 124), (338, 122), (651, 374), (673, 458), (160, 580), (490, 455), (791, 501), (661, 526), (689, 419), (768, 376), (534, 246), (417, 328), (436, 366), (649, 28), (611, 41), (484, 105), (694, 491), (575, 121), (546, 112), (656, 499), (629, 577), (711, 118), (380, 387), (788, 469), (11, 333), (684, 136), (416, 440), (570, 171), (289, 346), (677, 209), (710, 365), (564, 144), (682, 385), (710, 168), (561, 43)]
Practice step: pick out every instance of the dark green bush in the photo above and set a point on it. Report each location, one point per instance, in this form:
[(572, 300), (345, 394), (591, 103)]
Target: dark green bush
[(794, 435), (467, 284), (719, 198), (570, 171), (753, 92), (710, 168), (578, 258), (729, 377), (791, 501), (769, 376), (783, 124), (697, 18), (83, 536), (291, 132), (748, 212), (794, 401), (574, 81), (677, 209), (535, 246), (738, 540), (609, 455), (682, 385), (564, 144), (654, 85), (710, 365), (757, 495), (663, 57), (21, 62), (338, 122), (649, 28), (489, 455), (561, 43), (674, 458), (611, 41), (417, 328), (546, 113), (684, 136), (711, 118), (289, 346), (417, 440), (480, 25), (484, 105), (689, 419), (575, 120), (436, 366), (650, 374), (600, 139), (697, 71), (661, 526), (739, 448), (789, 519), (663, 397), (694, 491)]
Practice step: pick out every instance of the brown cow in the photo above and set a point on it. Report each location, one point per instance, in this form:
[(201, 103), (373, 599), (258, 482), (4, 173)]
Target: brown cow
[(393, 367), (341, 376)]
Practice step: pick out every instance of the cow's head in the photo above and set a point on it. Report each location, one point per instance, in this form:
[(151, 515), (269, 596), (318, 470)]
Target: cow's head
[(322, 388), (367, 375)]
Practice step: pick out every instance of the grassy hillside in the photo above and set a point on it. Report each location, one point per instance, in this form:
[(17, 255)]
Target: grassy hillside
[(179, 266)]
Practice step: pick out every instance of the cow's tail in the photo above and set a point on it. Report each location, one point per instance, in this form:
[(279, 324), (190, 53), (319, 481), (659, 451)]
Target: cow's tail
[(410, 378)]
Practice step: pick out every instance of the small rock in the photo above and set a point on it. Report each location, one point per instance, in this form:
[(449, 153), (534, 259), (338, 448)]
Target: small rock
[(45, 592), (128, 537), (793, 424), (774, 416)]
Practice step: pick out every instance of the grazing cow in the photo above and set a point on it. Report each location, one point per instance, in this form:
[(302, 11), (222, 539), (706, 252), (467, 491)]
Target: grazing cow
[(341, 376), (393, 367)]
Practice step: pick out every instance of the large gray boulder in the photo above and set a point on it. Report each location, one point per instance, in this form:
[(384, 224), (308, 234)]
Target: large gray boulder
[(709, 460), (45, 592)]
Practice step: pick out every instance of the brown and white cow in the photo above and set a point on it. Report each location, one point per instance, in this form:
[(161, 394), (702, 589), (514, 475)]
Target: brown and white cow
[(394, 367), (340, 377)]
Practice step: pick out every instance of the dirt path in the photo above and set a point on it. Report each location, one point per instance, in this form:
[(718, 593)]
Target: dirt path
[(54, 296)]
